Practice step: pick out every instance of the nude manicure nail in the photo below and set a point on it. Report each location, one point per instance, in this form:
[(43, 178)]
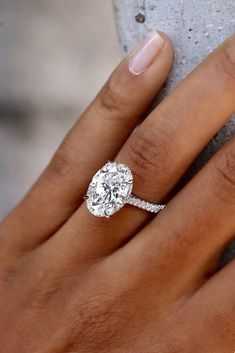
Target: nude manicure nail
[(146, 53)]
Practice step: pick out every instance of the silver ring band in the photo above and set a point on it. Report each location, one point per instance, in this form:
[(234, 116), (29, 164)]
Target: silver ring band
[(110, 189), (144, 205)]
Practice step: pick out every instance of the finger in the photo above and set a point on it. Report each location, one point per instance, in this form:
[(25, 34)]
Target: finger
[(161, 150), (215, 300), (196, 226), (96, 137)]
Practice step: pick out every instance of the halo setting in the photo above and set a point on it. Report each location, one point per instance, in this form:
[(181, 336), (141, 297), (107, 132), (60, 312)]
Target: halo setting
[(109, 189)]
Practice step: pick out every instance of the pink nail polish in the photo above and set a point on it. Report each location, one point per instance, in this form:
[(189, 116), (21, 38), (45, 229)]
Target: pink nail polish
[(146, 53)]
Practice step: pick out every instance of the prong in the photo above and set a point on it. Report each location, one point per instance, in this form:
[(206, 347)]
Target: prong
[(106, 215), (86, 197)]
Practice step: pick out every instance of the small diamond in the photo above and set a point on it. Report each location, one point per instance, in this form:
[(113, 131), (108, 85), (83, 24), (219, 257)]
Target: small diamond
[(109, 189)]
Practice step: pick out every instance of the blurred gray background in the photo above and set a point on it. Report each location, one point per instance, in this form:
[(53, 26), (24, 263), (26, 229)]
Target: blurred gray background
[(55, 55)]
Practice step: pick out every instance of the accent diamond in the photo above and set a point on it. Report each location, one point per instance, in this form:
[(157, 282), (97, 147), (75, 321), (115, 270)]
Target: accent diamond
[(109, 189)]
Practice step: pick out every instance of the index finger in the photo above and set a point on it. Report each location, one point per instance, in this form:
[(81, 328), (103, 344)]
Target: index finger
[(94, 139)]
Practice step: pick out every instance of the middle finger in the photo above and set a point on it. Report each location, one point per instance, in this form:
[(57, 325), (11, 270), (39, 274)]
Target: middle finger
[(159, 153)]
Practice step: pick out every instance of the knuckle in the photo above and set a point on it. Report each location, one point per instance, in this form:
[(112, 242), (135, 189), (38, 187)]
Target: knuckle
[(10, 272), (226, 169), (45, 295), (111, 96), (97, 320), (225, 65), (96, 313), (7, 275), (147, 151), (61, 163), (47, 289)]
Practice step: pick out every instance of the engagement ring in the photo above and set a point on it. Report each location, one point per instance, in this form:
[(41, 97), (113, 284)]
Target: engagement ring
[(110, 189)]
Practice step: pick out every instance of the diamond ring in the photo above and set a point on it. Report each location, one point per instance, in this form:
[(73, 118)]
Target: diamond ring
[(110, 189)]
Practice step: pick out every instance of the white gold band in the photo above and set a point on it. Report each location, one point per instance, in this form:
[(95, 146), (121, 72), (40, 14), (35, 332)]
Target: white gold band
[(144, 205)]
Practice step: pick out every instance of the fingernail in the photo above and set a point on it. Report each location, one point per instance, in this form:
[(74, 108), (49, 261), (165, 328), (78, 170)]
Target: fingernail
[(146, 53)]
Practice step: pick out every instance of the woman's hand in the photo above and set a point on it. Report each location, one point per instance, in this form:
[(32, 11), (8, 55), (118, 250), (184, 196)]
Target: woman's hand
[(71, 282)]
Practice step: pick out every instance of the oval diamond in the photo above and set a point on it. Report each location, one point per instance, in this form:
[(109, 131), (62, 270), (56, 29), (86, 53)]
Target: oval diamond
[(109, 189)]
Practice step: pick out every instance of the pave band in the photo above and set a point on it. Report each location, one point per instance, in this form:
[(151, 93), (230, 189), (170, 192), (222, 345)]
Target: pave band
[(144, 205), (110, 190)]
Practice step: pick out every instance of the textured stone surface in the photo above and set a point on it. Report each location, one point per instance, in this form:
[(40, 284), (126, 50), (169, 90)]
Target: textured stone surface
[(196, 27)]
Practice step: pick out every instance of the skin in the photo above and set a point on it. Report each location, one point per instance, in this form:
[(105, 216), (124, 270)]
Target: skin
[(71, 282)]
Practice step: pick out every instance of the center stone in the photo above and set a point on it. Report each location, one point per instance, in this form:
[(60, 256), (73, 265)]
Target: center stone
[(109, 189)]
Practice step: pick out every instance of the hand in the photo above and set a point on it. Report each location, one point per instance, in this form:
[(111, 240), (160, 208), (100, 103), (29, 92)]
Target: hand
[(71, 282)]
